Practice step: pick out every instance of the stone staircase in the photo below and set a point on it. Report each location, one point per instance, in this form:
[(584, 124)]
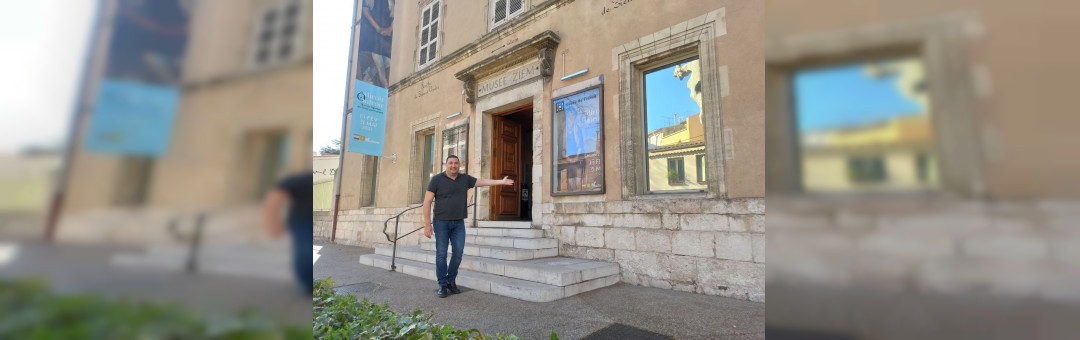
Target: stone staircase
[(509, 259)]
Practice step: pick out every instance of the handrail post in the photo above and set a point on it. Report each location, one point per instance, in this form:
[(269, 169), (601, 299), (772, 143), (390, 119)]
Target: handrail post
[(195, 241), (393, 259)]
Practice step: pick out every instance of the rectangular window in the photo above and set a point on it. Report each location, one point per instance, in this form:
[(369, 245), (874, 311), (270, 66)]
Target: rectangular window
[(455, 142), (877, 107), (135, 188), (922, 167), (674, 126), (277, 35), (429, 33), (504, 10), (267, 158), (866, 170), (427, 169), (675, 173), (701, 168), (373, 180)]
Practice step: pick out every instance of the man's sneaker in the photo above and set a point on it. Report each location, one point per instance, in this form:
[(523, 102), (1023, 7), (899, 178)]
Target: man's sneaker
[(442, 292), (453, 288)]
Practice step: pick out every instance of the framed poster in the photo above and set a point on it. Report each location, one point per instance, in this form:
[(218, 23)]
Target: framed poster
[(578, 143), (456, 142)]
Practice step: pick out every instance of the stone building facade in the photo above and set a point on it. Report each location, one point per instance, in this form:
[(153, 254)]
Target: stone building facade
[(997, 226), (499, 68), (243, 121)]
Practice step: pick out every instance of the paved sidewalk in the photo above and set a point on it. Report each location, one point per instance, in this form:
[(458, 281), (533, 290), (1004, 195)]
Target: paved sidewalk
[(676, 314)]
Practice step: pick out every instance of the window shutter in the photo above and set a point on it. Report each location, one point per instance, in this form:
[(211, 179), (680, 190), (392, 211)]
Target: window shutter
[(429, 33), (500, 10), (515, 6)]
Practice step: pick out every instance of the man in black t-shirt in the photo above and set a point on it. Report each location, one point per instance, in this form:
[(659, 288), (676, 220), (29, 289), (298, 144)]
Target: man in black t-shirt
[(296, 190), (449, 191)]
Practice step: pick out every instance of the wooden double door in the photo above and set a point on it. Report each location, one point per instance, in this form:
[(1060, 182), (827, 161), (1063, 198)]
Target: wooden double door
[(512, 157)]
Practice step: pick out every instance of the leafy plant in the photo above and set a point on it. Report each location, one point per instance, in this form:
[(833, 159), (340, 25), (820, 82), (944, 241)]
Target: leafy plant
[(673, 177), (31, 311), (345, 317)]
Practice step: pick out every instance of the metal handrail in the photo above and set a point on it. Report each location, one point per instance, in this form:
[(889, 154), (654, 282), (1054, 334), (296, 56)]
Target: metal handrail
[(397, 219), (194, 241)]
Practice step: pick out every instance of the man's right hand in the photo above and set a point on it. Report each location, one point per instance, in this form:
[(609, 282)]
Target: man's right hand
[(427, 230)]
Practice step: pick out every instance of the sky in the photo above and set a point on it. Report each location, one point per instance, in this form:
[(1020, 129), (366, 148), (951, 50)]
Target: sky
[(49, 38), (666, 95), (332, 28), (40, 82), (845, 95)]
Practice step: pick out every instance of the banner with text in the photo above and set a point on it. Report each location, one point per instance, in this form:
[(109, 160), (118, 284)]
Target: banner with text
[(138, 96), (368, 120)]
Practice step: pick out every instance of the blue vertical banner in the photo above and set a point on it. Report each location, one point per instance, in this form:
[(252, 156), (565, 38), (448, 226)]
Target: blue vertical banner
[(376, 31), (369, 120), (137, 99)]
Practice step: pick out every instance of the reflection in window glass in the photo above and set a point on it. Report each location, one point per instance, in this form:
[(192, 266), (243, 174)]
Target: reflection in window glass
[(455, 142), (865, 126), (866, 169), (700, 168), (674, 127), (675, 171)]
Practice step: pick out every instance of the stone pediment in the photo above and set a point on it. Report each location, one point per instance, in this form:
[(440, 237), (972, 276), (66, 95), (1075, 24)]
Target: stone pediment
[(539, 48)]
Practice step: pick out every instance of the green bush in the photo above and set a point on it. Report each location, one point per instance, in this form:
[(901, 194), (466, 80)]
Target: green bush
[(345, 317), (28, 310)]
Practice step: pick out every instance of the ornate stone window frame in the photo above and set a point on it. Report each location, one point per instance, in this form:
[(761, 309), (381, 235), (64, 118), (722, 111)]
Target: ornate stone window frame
[(939, 41), (693, 38), (418, 129)]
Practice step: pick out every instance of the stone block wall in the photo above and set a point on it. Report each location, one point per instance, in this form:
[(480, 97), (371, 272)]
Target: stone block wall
[(714, 247), (1019, 249)]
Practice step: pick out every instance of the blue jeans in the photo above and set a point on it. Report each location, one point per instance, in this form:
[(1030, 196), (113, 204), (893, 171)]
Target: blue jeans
[(452, 232), (302, 239)]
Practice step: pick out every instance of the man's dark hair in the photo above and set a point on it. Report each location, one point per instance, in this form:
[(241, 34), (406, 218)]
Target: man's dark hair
[(452, 156)]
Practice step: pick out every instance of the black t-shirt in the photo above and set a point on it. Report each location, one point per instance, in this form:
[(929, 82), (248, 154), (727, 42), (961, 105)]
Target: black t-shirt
[(299, 189), (451, 196)]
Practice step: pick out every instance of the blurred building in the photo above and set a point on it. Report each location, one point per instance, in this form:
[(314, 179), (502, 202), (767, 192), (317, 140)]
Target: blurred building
[(27, 180), (552, 94), (324, 170), (244, 121), (942, 217)]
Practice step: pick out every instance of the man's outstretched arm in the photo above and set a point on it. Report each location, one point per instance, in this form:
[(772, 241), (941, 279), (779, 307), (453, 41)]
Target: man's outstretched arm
[(483, 182)]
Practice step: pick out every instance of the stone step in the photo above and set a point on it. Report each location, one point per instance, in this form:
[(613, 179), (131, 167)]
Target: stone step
[(502, 253), (266, 261), (495, 284), (503, 224), (506, 232), (557, 271), (512, 242)]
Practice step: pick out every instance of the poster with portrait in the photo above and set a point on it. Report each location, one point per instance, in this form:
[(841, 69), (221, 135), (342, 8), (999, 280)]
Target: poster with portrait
[(376, 19), (578, 143), (375, 32)]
